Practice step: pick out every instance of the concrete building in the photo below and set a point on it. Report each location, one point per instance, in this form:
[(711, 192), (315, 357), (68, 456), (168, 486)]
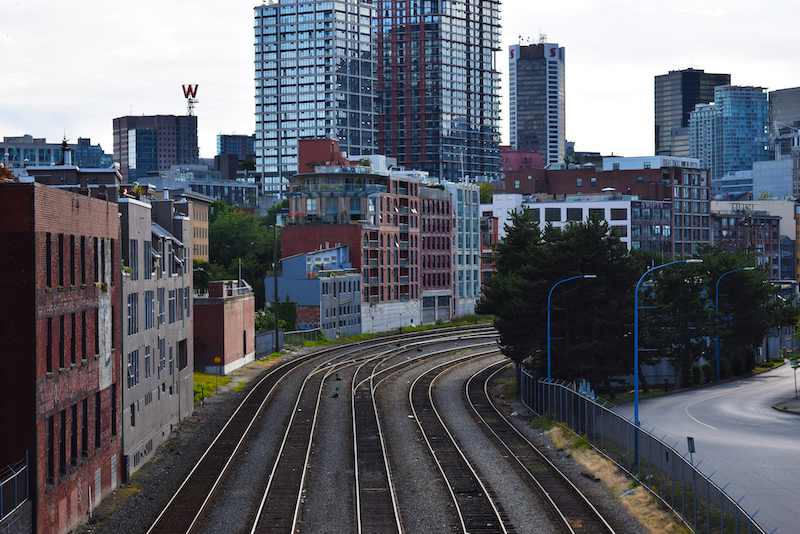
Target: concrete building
[(154, 143), (325, 287), (373, 210), (500, 209), (437, 236), (200, 179), (315, 76), (678, 179), (639, 224), (676, 96), (225, 331), (438, 85), (537, 100), (466, 250), (28, 151), (157, 324), (725, 135), (60, 376)]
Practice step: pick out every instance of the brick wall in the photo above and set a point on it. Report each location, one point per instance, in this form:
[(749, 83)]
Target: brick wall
[(60, 371)]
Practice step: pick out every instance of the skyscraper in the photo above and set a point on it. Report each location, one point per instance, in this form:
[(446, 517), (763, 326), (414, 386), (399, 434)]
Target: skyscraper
[(154, 143), (727, 136), (315, 78), (438, 85), (536, 99), (676, 95)]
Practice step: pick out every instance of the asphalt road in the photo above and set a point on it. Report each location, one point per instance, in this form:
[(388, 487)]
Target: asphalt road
[(739, 434)]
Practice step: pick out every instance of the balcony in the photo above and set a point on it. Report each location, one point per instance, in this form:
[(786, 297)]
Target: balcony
[(404, 280), (403, 227), (403, 245), (373, 244), (373, 299), (336, 190), (402, 262), (373, 281)]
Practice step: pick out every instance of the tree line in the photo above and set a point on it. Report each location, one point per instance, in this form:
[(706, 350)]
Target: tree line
[(592, 319), (239, 241)]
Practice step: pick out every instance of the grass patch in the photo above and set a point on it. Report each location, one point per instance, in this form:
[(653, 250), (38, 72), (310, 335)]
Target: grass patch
[(205, 384), (543, 423), (767, 365), (622, 398), (640, 504), (239, 387), (510, 387)]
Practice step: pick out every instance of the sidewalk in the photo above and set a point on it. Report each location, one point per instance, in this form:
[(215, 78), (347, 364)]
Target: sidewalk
[(791, 405)]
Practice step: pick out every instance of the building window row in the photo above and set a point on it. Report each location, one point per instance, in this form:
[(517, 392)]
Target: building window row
[(68, 434)]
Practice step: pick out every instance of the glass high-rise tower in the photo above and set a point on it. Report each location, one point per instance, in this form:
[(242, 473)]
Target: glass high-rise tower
[(438, 85), (676, 95), (729, 135), (315, 78)]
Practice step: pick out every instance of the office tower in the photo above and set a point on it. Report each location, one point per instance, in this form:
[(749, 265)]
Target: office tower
[(676, 95), (152, 144), (784, 118), (438, 86), (243, 146), (728, 135), (315, 78), (536, 100)]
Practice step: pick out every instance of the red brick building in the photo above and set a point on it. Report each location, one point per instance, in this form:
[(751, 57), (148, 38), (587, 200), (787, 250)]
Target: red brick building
[(224, 327), (437, 232), (59, 365)]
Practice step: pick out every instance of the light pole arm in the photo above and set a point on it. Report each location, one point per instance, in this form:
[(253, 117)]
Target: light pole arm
[(549, 295)]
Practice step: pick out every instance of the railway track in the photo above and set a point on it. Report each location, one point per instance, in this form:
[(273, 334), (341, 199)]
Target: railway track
[(478, 510), (377, 507), (568, 506), (183, 511)]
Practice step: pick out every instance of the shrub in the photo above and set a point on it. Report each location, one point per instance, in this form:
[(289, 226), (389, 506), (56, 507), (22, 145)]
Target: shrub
[(686, 376), (737, 366), (697, 375), (749, 361), (724, 368), (708, 372)]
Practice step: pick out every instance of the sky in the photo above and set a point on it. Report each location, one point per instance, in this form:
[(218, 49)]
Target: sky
[(70, 67)]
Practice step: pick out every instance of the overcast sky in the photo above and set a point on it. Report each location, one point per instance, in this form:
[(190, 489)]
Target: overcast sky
[(70, 67)]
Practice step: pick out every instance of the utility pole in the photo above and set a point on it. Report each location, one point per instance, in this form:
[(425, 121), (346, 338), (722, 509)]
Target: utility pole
[(275, 279)]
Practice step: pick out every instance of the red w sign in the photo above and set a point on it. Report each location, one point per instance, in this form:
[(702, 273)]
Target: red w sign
[(189, 91)]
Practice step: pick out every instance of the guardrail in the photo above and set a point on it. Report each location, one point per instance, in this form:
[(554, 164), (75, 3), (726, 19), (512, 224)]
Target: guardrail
[(13, 487), (694, 498)]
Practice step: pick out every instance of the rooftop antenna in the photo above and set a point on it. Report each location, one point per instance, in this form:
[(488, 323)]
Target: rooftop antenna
[(542, 37), (190, 93)]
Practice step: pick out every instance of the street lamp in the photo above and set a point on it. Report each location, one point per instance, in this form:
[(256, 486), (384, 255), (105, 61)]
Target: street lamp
[(548, 313), (636, 339), (716, 307), (275, 279)]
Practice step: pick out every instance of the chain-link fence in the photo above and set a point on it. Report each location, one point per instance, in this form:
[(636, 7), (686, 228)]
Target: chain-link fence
[(300, 337), (13, 487), (702, 505)]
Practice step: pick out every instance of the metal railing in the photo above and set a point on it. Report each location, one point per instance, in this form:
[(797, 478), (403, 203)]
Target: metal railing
[(694, 498), (13, 487)]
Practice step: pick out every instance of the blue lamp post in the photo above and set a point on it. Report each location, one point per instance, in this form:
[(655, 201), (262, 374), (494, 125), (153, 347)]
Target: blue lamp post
[(548, 313), (636, 337), (716, 307)]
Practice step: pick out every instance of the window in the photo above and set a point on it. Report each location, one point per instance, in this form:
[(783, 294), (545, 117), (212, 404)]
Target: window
[(85, 427), (616, 166), (171, 306), (149, 310), (49, 342), (97, 420), (147, 362), (593, 182), (619, 214), (579, 182), (574, 214), (133, 368), (73, 434), (161, 291), (133, 414), (621, 231), (133, 313), (62, 442), (188, 296), (552, 214), (49, 447), (148, 260)]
